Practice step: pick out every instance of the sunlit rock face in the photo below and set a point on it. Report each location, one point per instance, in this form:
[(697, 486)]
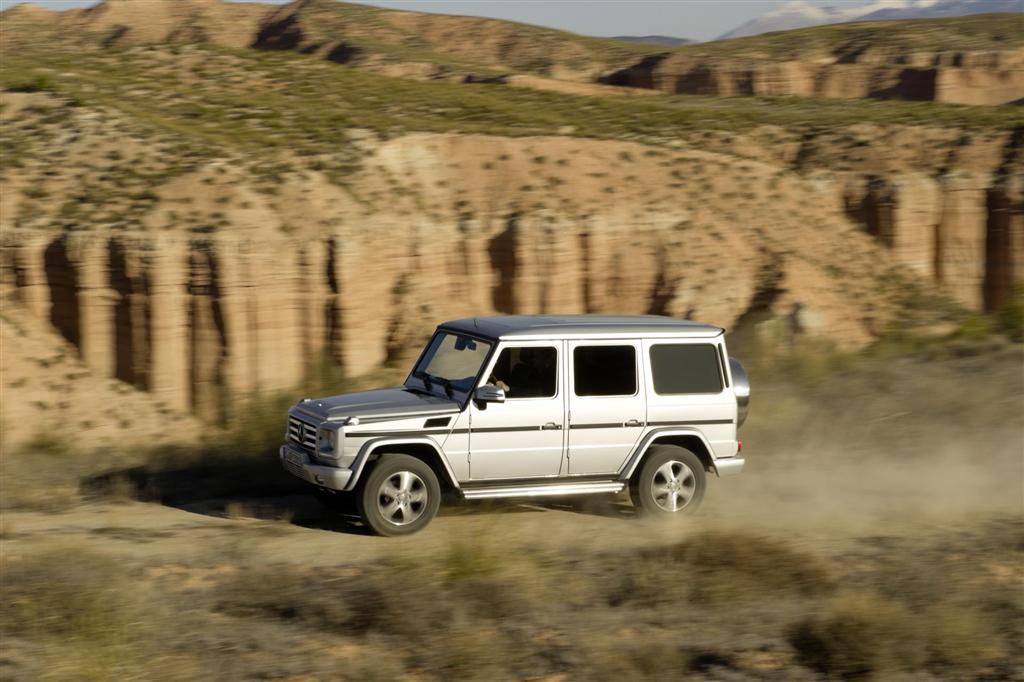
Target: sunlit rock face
[(222, 289)]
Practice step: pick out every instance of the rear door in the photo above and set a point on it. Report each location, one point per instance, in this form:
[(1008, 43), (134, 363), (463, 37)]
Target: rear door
[(607, 408), (687, 385)]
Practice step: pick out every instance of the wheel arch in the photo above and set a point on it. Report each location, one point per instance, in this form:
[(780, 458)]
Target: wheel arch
[(691, 439), (424, 449)]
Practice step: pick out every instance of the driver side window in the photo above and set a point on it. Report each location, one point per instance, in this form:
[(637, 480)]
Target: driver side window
[(526, 372)]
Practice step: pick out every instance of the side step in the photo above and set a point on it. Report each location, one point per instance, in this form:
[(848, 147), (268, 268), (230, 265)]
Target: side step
[(544, 490)]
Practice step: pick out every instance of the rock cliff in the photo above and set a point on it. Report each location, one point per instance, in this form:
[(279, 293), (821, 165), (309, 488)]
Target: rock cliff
[(226, 288), (956, 79), (973, 60)]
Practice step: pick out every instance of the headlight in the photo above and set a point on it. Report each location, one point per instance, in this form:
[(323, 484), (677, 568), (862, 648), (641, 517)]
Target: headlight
[(327, 440)]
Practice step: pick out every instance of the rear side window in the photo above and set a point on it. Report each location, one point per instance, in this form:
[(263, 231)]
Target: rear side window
[(604, 370), (685, 369)]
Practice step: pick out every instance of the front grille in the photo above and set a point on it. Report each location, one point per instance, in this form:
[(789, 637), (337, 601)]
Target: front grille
[(302, 433)]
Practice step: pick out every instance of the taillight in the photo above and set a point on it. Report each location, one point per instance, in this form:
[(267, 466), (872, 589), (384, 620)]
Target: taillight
[(739, 446)]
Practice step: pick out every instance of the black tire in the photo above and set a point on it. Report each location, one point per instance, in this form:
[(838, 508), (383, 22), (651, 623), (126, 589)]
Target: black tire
[(419, 505), (686, 489), (341, 502)]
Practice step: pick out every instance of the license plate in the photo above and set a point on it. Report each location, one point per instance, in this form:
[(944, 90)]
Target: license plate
[(296, 458)]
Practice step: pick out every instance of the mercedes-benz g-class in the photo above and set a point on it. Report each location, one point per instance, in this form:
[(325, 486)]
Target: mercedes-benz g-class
[(524, 406)]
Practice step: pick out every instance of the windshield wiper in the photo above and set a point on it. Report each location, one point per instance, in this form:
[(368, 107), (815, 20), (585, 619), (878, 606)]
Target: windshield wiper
[(429, 379), (424, 377), (447, 386)]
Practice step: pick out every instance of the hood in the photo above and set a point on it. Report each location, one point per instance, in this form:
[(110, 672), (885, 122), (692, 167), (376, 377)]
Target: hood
[(383, 403)]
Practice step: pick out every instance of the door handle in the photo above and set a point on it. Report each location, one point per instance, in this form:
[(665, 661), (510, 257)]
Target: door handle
[(550, 426), (633, 422)]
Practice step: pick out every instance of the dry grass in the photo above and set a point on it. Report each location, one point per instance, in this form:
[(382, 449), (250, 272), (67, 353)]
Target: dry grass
[(863, 634), (78, 608), (714, 569), (859, 635), (520, 614)]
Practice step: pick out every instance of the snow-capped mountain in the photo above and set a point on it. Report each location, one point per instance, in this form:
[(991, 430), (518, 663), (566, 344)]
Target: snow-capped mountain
[(945, 8), (801, 14)]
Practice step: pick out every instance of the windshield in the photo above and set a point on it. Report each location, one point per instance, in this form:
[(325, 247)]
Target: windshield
[(450, 364)]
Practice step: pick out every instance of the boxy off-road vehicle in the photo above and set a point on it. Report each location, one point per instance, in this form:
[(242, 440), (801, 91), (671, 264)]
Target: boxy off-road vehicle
[(525, 406)]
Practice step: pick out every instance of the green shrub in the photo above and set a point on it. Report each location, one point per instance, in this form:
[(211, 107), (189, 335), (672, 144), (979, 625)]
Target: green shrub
[(718, 567), (1010, 317), (633, 656), (67, 593), (390, 600), (865, 634), (976, 327), (859, 635), (37, 83), (283, 593), (960, 636), (464, 651), (466, 560), (47, 444), (730, 565)]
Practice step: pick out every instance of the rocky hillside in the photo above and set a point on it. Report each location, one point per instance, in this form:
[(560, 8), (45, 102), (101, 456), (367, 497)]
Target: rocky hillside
[(115, 23), (965, 60), (55, 402), (411, 44), (204, 223)]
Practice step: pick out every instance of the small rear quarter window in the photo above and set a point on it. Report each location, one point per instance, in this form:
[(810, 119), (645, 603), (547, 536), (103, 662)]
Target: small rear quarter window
[(685, 368)]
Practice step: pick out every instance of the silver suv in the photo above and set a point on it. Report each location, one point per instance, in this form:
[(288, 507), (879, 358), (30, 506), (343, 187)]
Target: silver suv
[(526, 406)]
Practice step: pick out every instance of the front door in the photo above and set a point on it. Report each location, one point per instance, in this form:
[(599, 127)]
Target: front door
[(522, 437), (607, 409)]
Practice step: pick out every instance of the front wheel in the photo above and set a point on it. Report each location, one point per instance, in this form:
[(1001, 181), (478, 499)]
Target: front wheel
[(399, 496), (671, 481)]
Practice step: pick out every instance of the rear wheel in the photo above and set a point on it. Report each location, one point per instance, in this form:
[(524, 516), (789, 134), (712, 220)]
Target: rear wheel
[(400, 495), (671, 482)]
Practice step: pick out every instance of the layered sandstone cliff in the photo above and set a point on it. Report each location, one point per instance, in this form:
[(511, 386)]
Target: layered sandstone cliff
[(965, 60), (226, 289), (985, 78)]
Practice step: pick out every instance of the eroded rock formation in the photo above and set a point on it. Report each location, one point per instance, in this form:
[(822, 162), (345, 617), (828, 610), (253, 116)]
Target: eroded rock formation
[(442, 226), (955, 78)]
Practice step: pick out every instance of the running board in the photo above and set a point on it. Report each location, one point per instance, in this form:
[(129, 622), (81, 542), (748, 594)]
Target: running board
[(544, 490)]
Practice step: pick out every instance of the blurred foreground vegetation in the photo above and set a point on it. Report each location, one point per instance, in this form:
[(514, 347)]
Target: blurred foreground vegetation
[(717, 605)]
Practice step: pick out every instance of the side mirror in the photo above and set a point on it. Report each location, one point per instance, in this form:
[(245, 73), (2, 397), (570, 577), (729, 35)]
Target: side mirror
[(489, 393)]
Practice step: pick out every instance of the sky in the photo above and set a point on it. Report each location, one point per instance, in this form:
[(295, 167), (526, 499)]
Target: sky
[(694, 19)]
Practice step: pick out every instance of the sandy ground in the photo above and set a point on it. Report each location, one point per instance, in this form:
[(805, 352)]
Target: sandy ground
[(816, 502)]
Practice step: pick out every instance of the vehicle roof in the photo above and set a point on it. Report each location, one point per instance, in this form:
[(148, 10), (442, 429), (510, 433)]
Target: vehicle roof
[(579, 326)]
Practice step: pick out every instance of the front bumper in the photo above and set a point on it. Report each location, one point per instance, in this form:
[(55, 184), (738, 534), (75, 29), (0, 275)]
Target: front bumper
[(296, 462)]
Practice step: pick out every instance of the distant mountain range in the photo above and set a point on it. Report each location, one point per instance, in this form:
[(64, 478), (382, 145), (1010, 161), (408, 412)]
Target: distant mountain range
[(667, 41), (801, 14)]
